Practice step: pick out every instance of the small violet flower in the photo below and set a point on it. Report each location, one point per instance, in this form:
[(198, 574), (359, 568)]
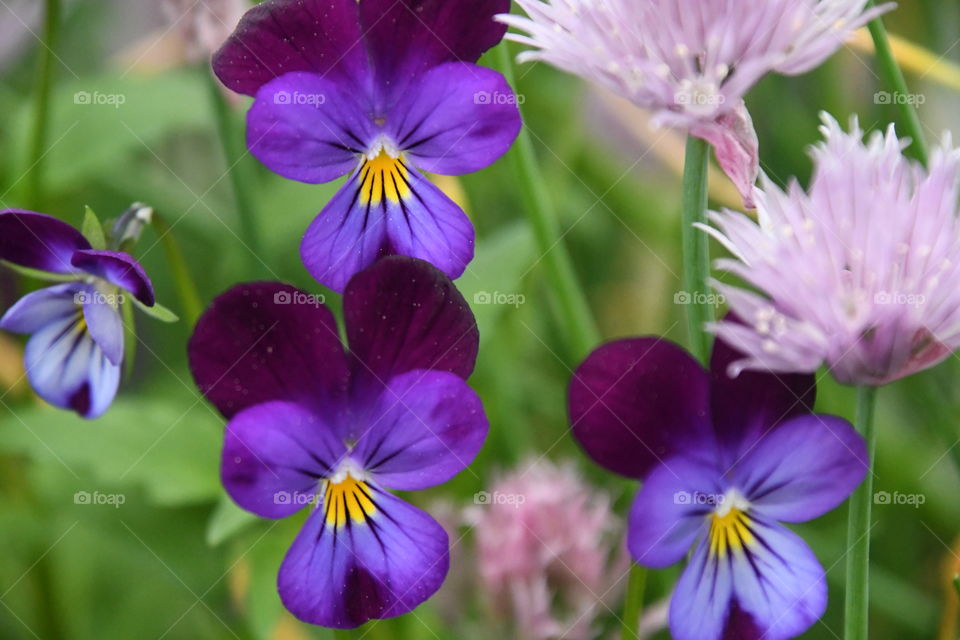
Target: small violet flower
[(380, 90), (311, 424), (858, 273), (542, 551), (691, 61), (723, 461), (74, 356)]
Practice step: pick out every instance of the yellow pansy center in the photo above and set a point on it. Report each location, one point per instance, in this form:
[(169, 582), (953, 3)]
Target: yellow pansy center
[(730, 526), (347, 497), (383, 176)]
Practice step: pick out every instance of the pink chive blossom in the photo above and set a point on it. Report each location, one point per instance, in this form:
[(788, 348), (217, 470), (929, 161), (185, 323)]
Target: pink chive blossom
[(858, 273), (690, 61), (542, 541)]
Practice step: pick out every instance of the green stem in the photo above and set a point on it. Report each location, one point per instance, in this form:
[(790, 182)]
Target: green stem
[(239, 170), (696, 250), (41, 118), (633, 604), (893, 77), (857, 605), (578, 324), (190, 301)]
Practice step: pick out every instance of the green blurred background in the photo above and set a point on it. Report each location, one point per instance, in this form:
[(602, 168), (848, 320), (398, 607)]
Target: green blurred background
[(176, 560)]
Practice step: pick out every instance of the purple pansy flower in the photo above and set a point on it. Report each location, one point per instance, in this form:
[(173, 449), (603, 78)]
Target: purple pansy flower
[(377, 89), (74, 355), (312, 424), (723, 461)]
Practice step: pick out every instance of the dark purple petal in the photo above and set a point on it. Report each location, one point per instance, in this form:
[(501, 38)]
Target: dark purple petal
[(428, 225), (345, 238), (104, 324), (782, 586), (701, 601), (117, 268), (636, 402), (460, 119), (804, 468), (280, 36), (275, 456), (38, 241), (403, 314), (748, 406), (306, 127), (669, 512), (35, 310), (425, 428), (408, 37), (343, 576), (68, 369), (267, 341)]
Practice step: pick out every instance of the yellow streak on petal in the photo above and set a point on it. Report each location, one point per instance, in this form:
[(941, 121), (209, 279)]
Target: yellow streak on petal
[(347, 498), (383, 177), (729, 531)]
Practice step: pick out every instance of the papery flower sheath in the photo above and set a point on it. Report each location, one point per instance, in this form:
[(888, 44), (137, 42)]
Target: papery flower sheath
[(690, 61), (379, 90), (723, 462), (74, 355), (859, 272), (311, 424)]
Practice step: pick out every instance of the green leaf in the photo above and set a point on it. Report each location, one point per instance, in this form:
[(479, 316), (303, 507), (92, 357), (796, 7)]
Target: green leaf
[(38, 274), (167, 444), (93, 230), (129, 339), (157, 311), (226, 521)]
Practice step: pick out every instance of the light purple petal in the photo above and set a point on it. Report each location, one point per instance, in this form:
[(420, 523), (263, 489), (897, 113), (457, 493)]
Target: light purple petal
[(344, 576), (735, 143), (430, 226), (749, 405), (804, 468), (782, 587), (345, 238), (408, 37), (275, 456), (460, 118), (404, 314), (266, 341), (39, 308), (104, 324), (425, 428), (38, 241), (68, 369), (637, 402), (670, 511), (309, 128), (701, 601), (117, 268), (280, 36)]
